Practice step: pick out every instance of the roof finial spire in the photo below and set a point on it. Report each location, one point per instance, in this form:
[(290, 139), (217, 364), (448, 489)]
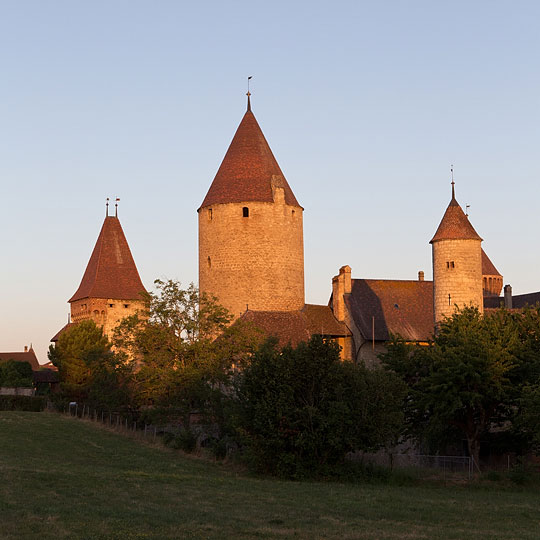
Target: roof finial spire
[(107, 208), (248, 95), (453, 183), (116, 207)]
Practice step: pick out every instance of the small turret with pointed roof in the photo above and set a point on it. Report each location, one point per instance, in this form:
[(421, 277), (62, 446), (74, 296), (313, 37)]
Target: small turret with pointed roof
[(250, 229), (111, 288), (457, 262)]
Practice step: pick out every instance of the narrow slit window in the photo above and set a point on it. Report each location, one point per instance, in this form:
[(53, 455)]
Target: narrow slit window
[(245, 211), (209, 262), (210, 213)]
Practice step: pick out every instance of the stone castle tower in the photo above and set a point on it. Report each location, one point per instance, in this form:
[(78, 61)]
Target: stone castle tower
[(111, 288), (457, 263), (251, 247)]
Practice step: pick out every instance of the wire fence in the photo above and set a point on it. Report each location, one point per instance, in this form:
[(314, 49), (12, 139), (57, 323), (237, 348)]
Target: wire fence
[(464, 465), (113, 420)]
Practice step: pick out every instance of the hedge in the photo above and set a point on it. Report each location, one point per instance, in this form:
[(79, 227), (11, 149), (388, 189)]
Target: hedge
[(22, 403)]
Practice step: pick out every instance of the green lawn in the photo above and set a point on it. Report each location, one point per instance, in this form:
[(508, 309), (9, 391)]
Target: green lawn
[(65, 478)]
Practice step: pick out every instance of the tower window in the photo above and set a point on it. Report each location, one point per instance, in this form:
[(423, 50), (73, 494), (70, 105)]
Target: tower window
[(210, 213), (245, 211), (209, 262), (111, 305), (450, 265), (126, 305)]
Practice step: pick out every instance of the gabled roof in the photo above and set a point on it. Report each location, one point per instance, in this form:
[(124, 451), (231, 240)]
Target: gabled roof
[(296, 326), (248, 169), (455, 225), (111, 271), (488, 268), (380, 307), (28, 356)]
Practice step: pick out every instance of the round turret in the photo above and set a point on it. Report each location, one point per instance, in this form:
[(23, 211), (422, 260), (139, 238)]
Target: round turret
[(251, 253), (457, 263)]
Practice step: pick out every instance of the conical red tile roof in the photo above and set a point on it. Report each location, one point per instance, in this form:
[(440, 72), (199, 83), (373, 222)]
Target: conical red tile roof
[(488, 268), (247, 169), (455, 225), (111, 270)]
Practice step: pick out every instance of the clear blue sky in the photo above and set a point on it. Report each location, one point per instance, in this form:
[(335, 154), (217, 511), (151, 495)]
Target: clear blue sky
[(365, 105)]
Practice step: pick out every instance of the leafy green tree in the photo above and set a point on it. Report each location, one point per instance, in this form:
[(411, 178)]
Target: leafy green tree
[(89, 370), (184, 352), (16, 374), (300, 410), (465, 381)]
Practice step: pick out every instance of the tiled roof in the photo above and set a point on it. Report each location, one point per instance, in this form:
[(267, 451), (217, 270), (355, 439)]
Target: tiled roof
[(455, 225), (111, 271), (248, 169), (488, 268), (392, 307), (296, 326), (29, 356), (61, 331), (519, 301)]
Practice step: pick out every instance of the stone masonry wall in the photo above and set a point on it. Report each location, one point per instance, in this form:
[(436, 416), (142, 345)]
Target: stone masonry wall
[(105, 312), (255, 261), (457, 271)]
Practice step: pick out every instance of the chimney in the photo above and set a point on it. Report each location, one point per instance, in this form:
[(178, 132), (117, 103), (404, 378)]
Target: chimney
[(341, 285), (26, 346), (508, 296), (421, 275), (346, 272)]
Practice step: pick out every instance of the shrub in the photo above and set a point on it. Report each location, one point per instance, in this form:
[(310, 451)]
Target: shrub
[(22, 403), (301, 410)]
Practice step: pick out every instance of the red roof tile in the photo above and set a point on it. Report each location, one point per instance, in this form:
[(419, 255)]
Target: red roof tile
[(111, 271), (455, 225), (296, 326), (392, 307), (29, 356), (488, 268), (248, 169), (61, 331)]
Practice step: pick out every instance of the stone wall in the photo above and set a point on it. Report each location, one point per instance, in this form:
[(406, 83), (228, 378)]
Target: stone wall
[(255, 260), (105, 312), (457, 271)]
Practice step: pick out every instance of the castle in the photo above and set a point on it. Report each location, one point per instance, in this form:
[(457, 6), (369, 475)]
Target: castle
[(251, 257)]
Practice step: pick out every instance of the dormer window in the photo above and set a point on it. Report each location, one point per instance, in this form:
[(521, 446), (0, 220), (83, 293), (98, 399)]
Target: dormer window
[(245, 211)]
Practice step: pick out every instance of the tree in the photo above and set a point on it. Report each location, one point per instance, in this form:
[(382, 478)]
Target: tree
[(183, 351), (89, 370), (300, 410), (16, 374), (465, 380)]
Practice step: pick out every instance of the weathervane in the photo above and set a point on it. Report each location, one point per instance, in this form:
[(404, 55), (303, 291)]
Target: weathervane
[(116, 207), (249, 94), (107, 208), (467, 206), (453, 183)]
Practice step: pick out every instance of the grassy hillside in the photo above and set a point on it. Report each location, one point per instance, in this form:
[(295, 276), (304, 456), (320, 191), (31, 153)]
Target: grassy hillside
[(64, 478)]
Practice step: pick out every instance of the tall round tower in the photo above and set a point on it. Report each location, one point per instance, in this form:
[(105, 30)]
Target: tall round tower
[(457, 263), (251, 247)]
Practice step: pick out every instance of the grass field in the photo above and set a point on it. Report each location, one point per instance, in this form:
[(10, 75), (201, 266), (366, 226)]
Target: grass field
[(64, 478)]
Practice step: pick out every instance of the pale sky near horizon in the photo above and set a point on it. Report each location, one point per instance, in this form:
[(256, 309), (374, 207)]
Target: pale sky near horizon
[(364, 104)]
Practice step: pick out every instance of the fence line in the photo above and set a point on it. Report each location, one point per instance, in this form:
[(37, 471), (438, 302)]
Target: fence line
[(113, 420)]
